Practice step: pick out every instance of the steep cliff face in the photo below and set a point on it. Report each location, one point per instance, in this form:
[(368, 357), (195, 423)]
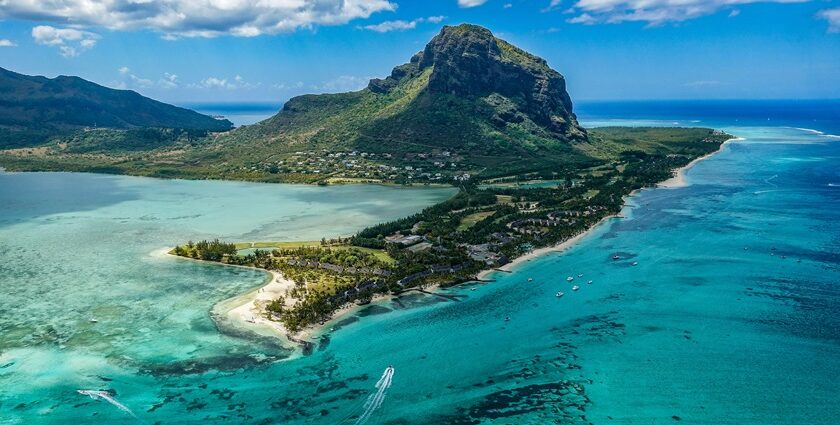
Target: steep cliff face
[(467, 92), (468, 61)]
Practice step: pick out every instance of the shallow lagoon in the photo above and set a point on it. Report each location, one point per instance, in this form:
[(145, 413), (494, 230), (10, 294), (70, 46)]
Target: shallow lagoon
[(712, 326)]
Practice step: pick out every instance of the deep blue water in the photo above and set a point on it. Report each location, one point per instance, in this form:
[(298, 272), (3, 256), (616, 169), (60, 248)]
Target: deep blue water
[(239, 113), (729, 317), (823, 115)]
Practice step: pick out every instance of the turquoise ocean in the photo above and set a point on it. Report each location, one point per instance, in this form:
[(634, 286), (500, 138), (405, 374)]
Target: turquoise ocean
[(731, 315)]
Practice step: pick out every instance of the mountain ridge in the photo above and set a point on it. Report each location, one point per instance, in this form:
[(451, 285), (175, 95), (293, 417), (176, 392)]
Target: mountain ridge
[(34, 108)]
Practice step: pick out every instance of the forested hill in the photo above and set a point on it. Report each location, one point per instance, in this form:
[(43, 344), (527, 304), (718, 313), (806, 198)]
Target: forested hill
[(33, 108)]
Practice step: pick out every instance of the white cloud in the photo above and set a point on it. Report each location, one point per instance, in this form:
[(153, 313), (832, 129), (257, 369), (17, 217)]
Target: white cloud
[(237, 82), (389, 26), (70, 41), (653, 12), (130, 80), (401, 25), (343, 83), (168, 81), (196, 18), (471, 3), (4, 42), (833, 18)]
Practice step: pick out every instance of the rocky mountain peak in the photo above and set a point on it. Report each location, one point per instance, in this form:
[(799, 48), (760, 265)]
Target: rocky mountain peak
[(468, 61)]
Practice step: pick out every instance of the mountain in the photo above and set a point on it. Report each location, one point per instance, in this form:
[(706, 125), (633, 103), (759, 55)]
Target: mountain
[(467, 92), (469, 106), (33, 108)]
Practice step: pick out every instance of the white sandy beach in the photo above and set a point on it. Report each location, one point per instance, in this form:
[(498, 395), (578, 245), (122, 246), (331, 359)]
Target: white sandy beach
[(679, 179), (252, 311)]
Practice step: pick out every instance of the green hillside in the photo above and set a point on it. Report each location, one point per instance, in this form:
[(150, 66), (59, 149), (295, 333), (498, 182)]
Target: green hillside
[(34, 109)]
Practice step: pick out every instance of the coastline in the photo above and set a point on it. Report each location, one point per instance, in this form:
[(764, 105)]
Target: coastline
[(560, 247), (679, 178), (246, 311), (252, 305)]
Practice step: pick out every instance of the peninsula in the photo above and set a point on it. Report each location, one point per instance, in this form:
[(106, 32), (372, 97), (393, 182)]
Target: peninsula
[(470, 110)]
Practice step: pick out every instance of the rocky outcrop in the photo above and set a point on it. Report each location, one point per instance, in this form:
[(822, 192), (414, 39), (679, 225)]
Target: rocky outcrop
[(468, 61)]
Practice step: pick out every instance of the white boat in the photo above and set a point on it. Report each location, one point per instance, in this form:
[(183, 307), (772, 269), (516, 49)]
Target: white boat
[(472, 289), (530, 279), (569, 279), (635, 263), (94, 321), (580, 274), (575, 288), (589, 282), (559, 294)]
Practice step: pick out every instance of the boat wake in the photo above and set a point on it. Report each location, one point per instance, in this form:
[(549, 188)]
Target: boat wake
[(105, 395), (375, 399)]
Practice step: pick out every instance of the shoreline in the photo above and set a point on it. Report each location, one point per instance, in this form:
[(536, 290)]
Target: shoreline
[(246, 311), (278, 283), (560, 247), (679, 178)]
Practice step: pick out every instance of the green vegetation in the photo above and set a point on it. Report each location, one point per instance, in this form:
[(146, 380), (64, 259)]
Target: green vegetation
[(206, 250), (34, 110), (478, 228)]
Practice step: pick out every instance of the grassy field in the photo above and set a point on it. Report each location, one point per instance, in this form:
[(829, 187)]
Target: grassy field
[(471, 219), (378, 253)]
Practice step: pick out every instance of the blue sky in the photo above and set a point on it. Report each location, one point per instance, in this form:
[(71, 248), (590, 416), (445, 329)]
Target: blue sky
[(269, 50)]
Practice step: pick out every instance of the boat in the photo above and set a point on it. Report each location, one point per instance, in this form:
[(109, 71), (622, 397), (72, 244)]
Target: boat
[(472, 289), (589, 282), (635, 263), (530, 279), (559, 294), (580, 274), (507, 319), (575, 288), (616, 257), (569, 279), (94, 321)]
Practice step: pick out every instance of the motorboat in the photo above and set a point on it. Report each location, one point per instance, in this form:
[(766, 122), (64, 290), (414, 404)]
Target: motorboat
[(575, 288), (559, 294), (569, 279), (589, 282)]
